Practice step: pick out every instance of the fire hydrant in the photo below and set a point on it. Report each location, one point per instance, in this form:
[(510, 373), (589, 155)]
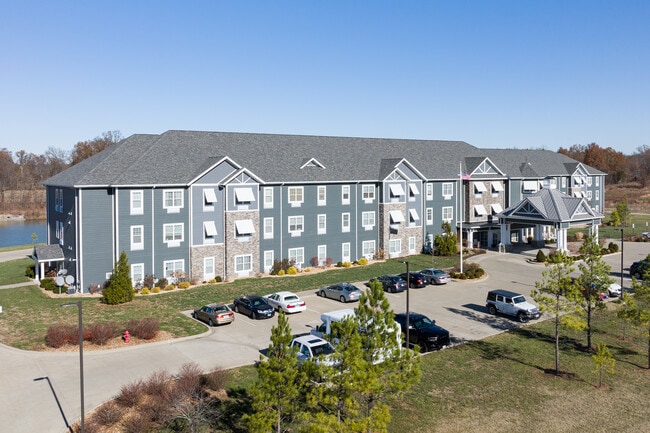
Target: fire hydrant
[(127, 336)]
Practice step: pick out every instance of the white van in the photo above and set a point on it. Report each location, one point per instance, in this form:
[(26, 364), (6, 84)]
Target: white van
[(325, 328)]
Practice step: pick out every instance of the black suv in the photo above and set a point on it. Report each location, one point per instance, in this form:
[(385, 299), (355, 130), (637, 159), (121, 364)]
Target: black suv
[(637, 269), (423, 331)]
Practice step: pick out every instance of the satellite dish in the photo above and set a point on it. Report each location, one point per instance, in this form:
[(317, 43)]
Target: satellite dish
[(63, 271), (59, 281), (69, 279)]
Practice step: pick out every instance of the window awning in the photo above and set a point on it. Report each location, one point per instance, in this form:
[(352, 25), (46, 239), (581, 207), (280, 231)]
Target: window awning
[(209, 195), (244, 195), (480, 209), (496, 208), (496, 186), (530, 185), (244, 227), (578, 194), (414, 189), (396, 189), (396, 216), (414, 215), (479, 187), (210, 228)]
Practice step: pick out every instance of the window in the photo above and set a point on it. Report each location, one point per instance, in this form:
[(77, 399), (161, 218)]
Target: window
[(479, 188), (496, 188), (479, 210), (368, 192), (268, 228), (395, 247), (496, 208), (137, 238), (564, 182), (429, 215), (345, 222), (137, 208), (368, 220), (58, 200), (413, 191), (297, 255), (412, 244), (208, 268), (530, 186), (447, 213), (322, 224), (209, 231), (268, 198), (597, 181), (173, 233), (396, 217), (589, 195), (268, 260), (244, 228), (209, 199), (173, 200), (429, 191), (345, 194), (244, 263), (447, 190), (173, 268), (137, 273), (322, 201), (322, 254), (589, 181), (597, 194), (296, 225), (368, 249), (244, 195), (345, 252), (413, 216), (295, 195), (396, 190)]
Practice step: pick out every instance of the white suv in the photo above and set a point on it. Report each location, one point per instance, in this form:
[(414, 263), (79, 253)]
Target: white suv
[(511, 304), (310, 347)]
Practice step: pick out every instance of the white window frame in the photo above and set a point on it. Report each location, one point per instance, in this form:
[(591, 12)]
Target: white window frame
[(564, 182), (295, 195), (429, 216), (368, 193), (447, 190), (589, 195), (268, 228), (209, 199), (597, 195), (345, 222), (345, 252), (175, 238), (322, 254), (173, 200), (446, 210), (345, 194), (244, 195), (368, 249), (135, 244), (137, 273), (597, 180), (171, 266), (269, 259), (394, 247), (207, 276), (411, 244), (208, 238), (321, 195), (297, 255), (268, 197), (589, 180), (321, 223), (296, 224), (135, 208), (368, 220), (429, 191), (243, 263)]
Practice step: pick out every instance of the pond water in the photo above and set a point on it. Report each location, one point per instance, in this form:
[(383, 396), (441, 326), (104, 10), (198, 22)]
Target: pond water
[(20, 233)]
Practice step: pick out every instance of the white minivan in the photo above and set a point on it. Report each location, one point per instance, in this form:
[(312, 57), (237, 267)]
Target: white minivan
[(325, 328)]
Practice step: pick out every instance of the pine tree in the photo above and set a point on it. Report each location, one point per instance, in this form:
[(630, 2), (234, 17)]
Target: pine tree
[(120, 287), (604, 362)]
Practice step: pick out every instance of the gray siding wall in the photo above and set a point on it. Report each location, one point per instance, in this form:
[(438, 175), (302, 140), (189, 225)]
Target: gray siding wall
[(126, 220), (165, 251), (203, 211), (96, 235)]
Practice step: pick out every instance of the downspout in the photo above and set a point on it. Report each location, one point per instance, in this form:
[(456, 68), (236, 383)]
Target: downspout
[(153, 231)]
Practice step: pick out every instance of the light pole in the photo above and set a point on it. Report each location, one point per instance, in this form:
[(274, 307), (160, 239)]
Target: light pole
[(622, 243), (408, 313), (81, 360)]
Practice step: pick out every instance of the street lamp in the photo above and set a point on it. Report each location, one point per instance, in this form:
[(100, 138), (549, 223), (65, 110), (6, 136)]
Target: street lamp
[(408, 314), (622, 261), (81, 360)]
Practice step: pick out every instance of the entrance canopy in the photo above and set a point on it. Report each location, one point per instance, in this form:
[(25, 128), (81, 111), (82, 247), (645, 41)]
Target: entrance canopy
[(45, 254), (549, 207)]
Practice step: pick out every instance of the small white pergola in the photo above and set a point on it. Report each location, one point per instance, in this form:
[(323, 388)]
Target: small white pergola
[(45, 254), (548, 207)]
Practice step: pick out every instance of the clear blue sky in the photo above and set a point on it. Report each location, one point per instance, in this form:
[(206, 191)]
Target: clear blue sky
[(504, 74)]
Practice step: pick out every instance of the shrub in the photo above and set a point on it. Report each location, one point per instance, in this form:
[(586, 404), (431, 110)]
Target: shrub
[(541, 257), (189, 380), (158, 385), (169, 287), (307, 269), (346, 264), (613, 247), (212, 281), (145, 329), (339, 264), (328, 262), (100, 333), (184, 285), (49, 284), (120, 287), (137, 423), (216, 379), (283, 265), (314, 261), (148, 281), (162, 282), (145, 291), (155, 290), (218, 279), (281, 272), (130, 394), (29, 271), (107, 414), (362, 261), (58, 335), (292, 270)]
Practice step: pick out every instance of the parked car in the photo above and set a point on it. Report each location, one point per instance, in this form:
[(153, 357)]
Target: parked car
[(645, 235), (637, 269), (288, 301), (310, 347), (214, 314), (417, 280), (254, 306), (436, 276), (392, 283), (423, 331), (511, 304), (344, 292)]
